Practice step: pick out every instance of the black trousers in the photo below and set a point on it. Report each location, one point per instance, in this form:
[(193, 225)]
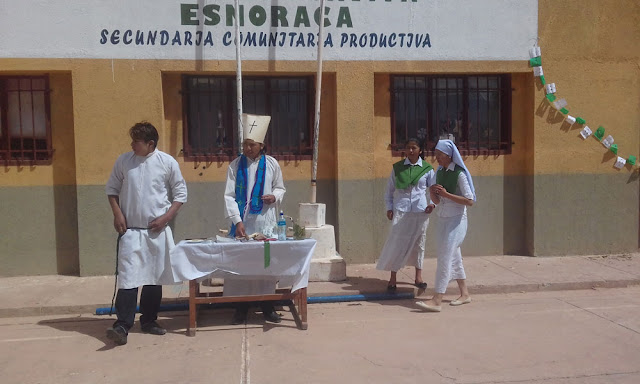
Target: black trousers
[(126, 300)]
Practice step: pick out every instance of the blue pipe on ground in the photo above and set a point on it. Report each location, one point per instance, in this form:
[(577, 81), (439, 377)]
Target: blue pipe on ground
[(310, 300), (362, 297)]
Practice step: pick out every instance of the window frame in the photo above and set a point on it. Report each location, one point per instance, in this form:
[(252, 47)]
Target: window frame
[(465, 147), (6, 148), (230, 88)]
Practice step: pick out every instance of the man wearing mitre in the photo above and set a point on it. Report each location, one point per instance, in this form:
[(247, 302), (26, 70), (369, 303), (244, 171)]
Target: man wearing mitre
[(254, 187)]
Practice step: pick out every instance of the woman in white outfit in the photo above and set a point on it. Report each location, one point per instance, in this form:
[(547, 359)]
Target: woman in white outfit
[(408, 207), (453, 192)]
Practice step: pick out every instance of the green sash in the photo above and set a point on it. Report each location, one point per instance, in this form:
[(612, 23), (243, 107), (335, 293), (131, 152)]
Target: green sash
[(409, 174), (267, 254), (449, 179)]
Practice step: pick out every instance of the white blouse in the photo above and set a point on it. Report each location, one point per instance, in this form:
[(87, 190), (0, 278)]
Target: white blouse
[(415, 198)]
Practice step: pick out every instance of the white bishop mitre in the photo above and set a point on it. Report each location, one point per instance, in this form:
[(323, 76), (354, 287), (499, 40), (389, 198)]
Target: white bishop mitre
[(255, 127)]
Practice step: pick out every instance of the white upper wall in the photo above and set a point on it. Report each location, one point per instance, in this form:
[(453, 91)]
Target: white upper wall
[(271, 30)]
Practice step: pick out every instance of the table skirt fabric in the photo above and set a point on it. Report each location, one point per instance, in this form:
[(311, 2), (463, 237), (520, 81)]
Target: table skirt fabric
[(289, 264)]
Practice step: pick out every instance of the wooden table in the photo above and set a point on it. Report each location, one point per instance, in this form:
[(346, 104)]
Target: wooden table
[(298, 306), (289, 263)]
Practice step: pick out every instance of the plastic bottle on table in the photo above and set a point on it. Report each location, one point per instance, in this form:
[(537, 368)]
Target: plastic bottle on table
[(282, 227)]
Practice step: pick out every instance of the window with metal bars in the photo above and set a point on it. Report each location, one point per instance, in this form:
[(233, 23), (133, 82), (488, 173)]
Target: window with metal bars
[(25, 124), (210, 115), (472, 110)]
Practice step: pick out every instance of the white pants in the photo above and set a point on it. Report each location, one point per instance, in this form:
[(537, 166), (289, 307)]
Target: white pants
[(451, 232), (405, 244)]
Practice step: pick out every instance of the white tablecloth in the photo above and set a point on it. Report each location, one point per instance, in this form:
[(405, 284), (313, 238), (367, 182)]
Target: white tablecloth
[(290, 261)]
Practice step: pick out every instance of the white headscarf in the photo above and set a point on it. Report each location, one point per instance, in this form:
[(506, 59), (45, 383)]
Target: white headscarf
[(449, 148)]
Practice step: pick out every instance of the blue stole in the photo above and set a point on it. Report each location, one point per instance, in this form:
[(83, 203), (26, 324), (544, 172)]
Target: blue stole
[(255, 204)]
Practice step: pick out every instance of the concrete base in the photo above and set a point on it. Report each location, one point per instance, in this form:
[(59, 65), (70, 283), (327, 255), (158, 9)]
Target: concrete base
[(326, 263), (326, 243), (328, 269)]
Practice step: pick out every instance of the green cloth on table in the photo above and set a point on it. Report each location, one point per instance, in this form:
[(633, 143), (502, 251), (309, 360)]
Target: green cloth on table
[(267, 254)]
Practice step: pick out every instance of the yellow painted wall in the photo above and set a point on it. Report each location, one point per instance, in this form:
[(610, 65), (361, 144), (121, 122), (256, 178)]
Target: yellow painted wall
[(355, 119), (591, 51)]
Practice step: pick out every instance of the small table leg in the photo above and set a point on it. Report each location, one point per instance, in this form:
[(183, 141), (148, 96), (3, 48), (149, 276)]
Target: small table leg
[(303, 307), (299, 308), (193, 288)]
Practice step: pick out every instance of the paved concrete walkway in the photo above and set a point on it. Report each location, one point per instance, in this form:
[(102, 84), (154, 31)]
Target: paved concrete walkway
[(44, 295)]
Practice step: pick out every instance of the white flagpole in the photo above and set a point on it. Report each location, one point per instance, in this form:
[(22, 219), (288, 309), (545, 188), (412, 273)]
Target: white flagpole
[(238, 76), (316, 124)]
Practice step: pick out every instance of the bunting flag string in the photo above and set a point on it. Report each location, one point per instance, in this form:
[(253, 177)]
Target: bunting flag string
[(535, 61)]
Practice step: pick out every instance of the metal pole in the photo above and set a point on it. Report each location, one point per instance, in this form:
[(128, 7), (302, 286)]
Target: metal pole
[(316, 123), (238, 76)]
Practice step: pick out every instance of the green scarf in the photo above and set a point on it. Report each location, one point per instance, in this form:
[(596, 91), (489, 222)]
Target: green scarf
[(449, 179), (409, 174)]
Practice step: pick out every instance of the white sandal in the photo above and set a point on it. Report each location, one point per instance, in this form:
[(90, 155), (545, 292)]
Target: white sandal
[(457, 302)]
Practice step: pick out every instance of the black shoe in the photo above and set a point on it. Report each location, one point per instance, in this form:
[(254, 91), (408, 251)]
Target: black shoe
[(391, 288), (117, 334), (153, 328), (421, 285), (271, 316), (239, 316)]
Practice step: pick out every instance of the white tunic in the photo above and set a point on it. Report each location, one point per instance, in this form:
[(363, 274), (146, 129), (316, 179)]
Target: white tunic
[(263, 222), (266, 221), (146, 188)]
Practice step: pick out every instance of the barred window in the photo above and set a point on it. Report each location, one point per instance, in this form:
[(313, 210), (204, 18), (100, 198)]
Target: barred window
[(210, 115), (472, 110), (25, 127)]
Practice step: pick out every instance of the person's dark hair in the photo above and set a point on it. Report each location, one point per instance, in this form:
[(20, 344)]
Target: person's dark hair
[(419, 142), (144, 131)]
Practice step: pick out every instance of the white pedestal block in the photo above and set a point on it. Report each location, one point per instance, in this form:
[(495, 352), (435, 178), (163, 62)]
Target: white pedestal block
[(312, 214), (331, 269), (326, 241), (326, 263)]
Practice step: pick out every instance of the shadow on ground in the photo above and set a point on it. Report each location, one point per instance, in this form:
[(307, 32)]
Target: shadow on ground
[(96, 326)]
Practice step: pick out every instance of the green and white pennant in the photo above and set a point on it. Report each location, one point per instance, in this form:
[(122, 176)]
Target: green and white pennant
[(535, 61)]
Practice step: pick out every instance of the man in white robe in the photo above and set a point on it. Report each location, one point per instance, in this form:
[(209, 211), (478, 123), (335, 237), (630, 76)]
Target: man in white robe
[(258, 177), (145, 190)]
